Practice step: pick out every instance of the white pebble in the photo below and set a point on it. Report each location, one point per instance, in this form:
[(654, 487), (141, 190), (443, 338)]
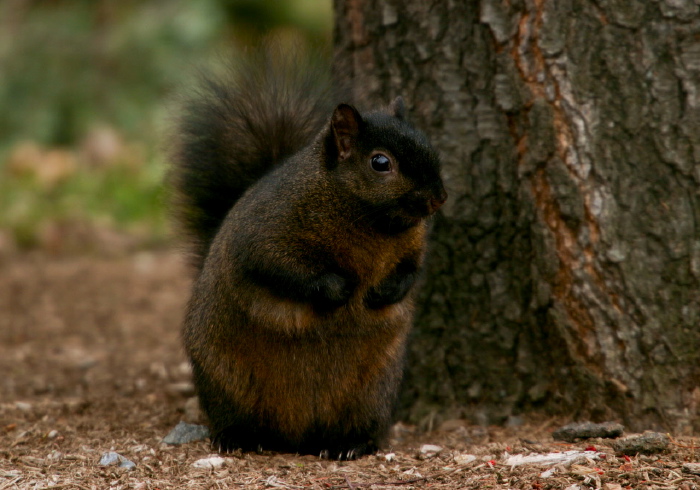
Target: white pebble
[(430, 449), (211, 462), (464, 458), (23, 406)]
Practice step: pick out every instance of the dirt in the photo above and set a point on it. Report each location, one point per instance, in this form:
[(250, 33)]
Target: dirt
[(91, 362)]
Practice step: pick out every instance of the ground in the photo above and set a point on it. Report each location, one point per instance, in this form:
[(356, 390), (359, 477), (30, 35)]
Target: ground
[(91, 362)]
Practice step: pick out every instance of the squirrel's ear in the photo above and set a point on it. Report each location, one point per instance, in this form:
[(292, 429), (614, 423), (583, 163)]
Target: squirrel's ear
[(345, 123), (397, 108)]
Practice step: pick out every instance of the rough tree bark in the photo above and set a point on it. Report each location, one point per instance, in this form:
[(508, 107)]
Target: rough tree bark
[(565, 270)]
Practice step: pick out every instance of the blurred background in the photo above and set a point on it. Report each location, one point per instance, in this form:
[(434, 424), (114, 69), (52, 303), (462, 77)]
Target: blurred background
[(88, 90)]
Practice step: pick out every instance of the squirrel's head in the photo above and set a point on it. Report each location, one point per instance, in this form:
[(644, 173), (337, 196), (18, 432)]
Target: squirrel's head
[(385, 166)]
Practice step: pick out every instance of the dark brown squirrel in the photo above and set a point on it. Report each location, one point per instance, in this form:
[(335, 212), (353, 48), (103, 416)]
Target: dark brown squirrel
[(309, 226)]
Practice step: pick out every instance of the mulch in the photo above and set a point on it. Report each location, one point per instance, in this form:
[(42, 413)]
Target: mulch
[(91, 362)]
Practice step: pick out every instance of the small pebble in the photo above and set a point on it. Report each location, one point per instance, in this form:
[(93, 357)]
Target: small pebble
[(184, 433), (55, 455), (389, 457), (183, 388), (464, 458), (647, 443), (211, 462), (184, 369), (587, 430), (23, 406), (111, 458), (52, 435), (159, 370), (429, 450)]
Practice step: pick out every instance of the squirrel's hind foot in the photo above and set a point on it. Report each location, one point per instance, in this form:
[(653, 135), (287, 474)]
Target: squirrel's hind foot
[(348, 453), (230, 440)]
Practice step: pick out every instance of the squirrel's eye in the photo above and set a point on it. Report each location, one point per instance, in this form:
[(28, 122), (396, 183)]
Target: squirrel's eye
[(380, 163)]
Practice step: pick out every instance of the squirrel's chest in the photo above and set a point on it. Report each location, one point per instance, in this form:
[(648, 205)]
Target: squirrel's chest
[(373, 258)]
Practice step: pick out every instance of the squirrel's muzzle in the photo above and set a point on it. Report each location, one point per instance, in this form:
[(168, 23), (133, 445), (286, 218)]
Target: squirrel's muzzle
[(437, 200), (423, 203)]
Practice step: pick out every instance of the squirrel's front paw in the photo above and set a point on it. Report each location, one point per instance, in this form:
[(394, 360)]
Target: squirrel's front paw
[(333, 290), (394, 287), (392, 290)]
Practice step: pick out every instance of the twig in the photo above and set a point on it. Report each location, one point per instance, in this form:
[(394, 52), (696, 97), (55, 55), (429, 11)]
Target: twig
[(673, 441), (354, 486), (406, 482), (272, 481), (400, 482), (10, 483), (350, 485)]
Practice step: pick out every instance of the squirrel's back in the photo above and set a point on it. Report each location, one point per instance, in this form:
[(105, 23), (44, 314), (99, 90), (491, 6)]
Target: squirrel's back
[(235, 128)]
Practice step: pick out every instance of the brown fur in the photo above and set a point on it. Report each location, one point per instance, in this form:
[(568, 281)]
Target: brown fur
[(298, 321)]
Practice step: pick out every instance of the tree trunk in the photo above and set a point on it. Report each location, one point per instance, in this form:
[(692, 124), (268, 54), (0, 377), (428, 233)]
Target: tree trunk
[(565, 269)]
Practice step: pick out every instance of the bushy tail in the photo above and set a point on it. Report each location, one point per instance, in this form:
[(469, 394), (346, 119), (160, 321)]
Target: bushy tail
[(234, 129)]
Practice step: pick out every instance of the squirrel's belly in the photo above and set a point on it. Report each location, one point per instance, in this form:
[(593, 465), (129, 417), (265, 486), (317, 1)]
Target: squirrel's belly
[(298, 371), (301, 384)]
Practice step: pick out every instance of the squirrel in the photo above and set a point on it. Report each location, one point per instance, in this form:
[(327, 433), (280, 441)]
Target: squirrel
[(309, 223)]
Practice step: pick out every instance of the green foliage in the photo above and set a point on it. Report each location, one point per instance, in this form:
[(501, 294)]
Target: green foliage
[(126, 197), (68, 67), (257, 17)]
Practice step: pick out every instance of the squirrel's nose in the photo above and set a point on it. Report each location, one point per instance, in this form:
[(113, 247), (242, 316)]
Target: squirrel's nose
[(437, 200)]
